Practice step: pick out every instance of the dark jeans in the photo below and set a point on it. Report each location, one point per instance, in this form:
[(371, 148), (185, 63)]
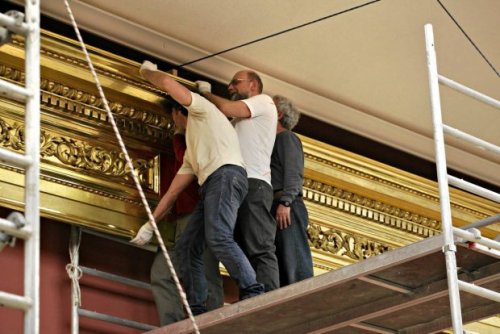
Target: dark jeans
[(292, 248), (213, 224), (168, 302), (255, 232)]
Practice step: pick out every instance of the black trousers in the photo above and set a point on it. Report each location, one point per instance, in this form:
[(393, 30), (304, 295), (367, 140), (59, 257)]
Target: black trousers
[(256, 230)]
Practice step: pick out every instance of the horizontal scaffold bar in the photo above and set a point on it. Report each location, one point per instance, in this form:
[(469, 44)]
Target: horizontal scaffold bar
[(468, 91), (19, 160), (12, 229), (13, 24), (13, 91), (15, 301)]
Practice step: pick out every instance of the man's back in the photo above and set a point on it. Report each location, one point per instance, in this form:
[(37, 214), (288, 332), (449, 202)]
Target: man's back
[(211, 140)]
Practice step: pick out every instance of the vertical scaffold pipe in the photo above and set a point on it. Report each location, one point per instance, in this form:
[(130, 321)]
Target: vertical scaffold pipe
[(32, 176), (449, 248)]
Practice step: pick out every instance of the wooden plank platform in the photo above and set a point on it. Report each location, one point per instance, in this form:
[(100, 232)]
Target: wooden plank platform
[(401, 291)]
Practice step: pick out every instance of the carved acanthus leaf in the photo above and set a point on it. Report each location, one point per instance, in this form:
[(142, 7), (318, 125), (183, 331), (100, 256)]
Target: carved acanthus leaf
[(77, 154), (343, 244)]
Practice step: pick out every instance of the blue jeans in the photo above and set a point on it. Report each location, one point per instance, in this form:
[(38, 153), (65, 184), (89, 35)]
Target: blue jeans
[(212, 225), (292, 247), (168, 303)]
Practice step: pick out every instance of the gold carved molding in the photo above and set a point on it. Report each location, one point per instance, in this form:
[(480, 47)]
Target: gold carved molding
[(80, 155), (82, 167), (340, 243), (81, 104), (369, 209), (360, 208)]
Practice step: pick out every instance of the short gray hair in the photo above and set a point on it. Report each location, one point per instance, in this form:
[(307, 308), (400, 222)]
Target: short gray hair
[(290, 114)]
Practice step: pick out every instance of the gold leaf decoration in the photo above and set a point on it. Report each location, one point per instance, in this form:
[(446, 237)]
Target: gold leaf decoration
[(75, 153), (343, 244), (370, 209)]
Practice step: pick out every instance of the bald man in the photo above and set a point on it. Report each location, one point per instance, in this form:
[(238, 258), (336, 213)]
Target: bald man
[(254, 118)]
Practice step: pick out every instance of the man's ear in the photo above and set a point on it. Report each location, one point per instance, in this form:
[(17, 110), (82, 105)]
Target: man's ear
[(254, 86), (280, 115)]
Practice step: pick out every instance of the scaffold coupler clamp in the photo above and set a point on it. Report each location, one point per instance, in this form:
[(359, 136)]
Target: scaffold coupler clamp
[(449, 248), (5, 34), (19, 221), (476, 234)]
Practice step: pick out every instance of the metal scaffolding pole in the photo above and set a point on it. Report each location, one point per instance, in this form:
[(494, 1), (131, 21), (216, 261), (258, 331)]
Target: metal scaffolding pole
[(75, 272), (449, 248), (449, 232), (32, 193), (28, 25)]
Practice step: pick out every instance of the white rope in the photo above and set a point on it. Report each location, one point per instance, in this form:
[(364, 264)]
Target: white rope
[(74, 271), (131, 167)]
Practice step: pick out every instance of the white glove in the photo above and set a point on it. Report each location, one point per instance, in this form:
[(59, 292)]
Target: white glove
[(144, 235), (147, 65), (204, 87)]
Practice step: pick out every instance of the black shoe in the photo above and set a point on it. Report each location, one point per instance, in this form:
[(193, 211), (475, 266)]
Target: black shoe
[(197, 310), (251, 291)]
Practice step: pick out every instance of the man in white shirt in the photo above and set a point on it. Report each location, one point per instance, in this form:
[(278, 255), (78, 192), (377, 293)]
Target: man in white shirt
[(254, 118), (213, 156)]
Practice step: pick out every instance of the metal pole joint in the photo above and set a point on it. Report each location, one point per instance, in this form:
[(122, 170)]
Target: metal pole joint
[(449, 248)]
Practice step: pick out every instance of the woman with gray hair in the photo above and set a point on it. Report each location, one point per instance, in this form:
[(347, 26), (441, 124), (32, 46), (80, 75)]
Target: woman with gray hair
[(287, 178)]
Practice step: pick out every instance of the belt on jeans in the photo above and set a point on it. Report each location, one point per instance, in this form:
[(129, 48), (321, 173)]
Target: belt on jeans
[(279, 193)]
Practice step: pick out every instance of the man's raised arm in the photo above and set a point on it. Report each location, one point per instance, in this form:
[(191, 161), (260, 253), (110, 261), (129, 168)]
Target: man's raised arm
[(178, 92), (227, 107)]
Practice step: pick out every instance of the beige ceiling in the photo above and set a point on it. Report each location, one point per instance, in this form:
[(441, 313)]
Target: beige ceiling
[(364, 70)]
